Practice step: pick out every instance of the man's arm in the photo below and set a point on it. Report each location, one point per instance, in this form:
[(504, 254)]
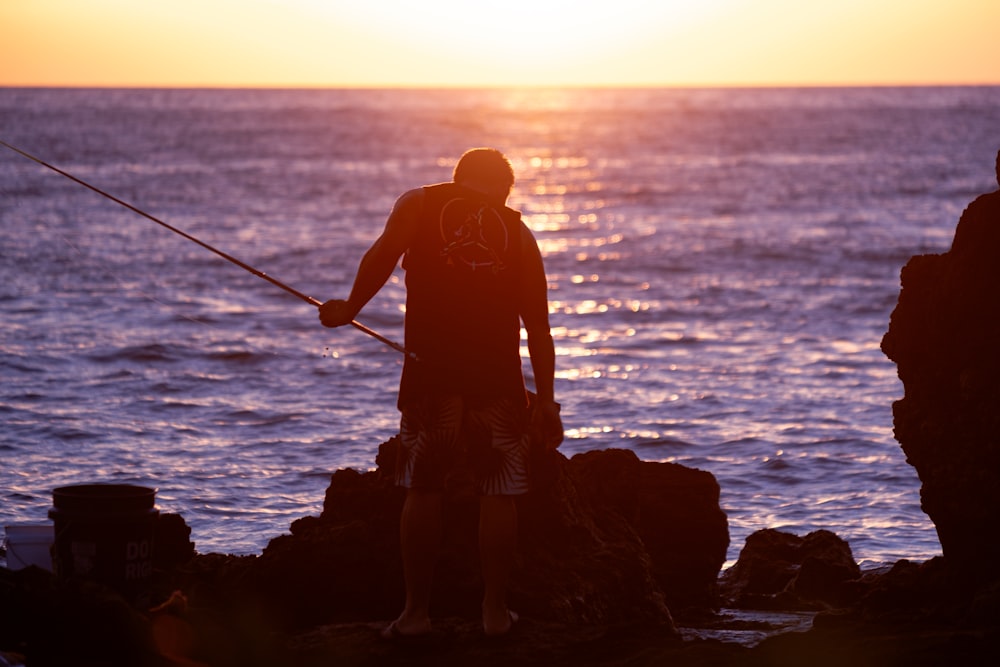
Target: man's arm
[(378, 262), (534, 307)]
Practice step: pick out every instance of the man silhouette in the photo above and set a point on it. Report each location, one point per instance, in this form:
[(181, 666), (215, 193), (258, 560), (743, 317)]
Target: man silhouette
[(474, 275)]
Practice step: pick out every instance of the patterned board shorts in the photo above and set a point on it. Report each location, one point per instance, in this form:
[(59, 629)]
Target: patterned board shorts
[(448, 441)]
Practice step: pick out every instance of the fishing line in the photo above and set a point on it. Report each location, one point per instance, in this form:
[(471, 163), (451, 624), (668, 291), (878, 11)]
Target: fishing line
[(220, 253)]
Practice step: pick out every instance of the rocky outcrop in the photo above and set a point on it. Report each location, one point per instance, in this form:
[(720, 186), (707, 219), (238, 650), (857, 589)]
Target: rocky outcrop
[(944, 336), (607, 539), (779, 570), (675, 511), (596, 559)]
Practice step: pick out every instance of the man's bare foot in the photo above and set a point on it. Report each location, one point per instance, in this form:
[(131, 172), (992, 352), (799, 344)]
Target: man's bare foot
[(404, 628), (497, 624)]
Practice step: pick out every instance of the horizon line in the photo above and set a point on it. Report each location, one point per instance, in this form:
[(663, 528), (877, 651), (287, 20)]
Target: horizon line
[(496, 86)]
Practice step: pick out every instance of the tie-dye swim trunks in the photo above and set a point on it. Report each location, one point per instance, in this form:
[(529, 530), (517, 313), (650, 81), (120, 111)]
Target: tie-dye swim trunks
[(446, 440)]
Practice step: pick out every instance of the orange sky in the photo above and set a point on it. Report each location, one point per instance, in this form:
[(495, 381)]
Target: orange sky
[(350, 43)]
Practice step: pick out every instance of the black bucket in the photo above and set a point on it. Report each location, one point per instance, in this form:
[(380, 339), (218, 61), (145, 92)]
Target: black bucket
[(104, 532)]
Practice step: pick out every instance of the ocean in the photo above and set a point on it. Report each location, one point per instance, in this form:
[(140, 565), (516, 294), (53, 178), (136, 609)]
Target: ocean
[(722, 265)]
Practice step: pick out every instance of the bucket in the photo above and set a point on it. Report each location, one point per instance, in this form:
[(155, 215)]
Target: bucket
[(104, 532), (28, 545)]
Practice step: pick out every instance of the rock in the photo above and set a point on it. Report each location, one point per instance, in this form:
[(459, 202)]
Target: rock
[(675, 511), (50, 624), (779, 570), (943, 336), (608, 539), (598, 599), (685, 532), (911, 594), (172, 545)]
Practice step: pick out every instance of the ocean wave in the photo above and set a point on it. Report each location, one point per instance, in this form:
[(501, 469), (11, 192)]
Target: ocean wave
[(147, 353)]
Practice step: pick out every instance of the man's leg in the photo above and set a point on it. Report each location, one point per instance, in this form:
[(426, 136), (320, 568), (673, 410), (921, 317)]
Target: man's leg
[(497, 544), (420, 539)]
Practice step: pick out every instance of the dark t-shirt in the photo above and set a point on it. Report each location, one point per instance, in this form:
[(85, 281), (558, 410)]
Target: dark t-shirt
[(463, 272)]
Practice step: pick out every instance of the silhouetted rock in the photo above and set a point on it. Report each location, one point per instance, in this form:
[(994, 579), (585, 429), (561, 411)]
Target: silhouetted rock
[(676, 512), (779, 570), (912, 594), (172, 541), (944, 336), (587, 587), (608, 539)]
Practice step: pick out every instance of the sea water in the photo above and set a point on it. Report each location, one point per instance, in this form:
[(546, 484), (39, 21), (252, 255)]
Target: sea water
[(722, 265)]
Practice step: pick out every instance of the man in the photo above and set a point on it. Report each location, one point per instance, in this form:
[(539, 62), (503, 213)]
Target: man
[(474, 274)]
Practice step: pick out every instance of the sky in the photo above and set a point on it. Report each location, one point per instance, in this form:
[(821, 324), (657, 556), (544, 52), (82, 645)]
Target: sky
[(446, 43)]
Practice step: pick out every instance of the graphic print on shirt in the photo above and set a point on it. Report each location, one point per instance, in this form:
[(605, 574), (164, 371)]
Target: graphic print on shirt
[(473, 234)]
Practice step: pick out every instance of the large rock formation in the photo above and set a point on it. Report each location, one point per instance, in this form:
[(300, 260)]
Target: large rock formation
[(608, 539), (945, 339)]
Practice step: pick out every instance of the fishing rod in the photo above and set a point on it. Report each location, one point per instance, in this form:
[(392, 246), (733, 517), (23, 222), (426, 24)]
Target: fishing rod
[(260, 274)]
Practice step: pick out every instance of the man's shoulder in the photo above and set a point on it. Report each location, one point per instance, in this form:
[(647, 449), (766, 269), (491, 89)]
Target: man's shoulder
[(434, 188), (414, 194), (409, 203)]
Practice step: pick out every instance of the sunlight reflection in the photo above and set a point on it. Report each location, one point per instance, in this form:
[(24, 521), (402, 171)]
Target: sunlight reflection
[(579, 373), (648, 435), (546, 222), (578, 279), (570, 352), (583, 432), (591, 306), (549, 205), (601, 257), (549, 189), (587, 307), (593, 204), (874, 459), (552, 246), (559, 163), (851, 347)]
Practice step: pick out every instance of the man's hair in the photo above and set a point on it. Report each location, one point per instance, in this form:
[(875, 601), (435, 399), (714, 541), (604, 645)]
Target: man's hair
[(486, 166)]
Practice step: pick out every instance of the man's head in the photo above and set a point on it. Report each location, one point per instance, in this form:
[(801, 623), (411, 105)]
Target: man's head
[(485, 170)]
